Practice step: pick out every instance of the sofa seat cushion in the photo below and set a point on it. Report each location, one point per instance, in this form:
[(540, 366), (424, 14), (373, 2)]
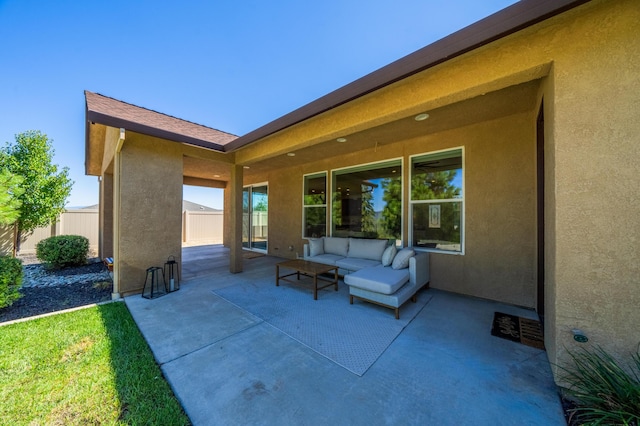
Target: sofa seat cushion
[(327, 259), (355, 264), (379, 279), (366, 248)]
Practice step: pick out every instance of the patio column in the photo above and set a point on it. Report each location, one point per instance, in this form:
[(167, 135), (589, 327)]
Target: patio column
[(235, 219), (105, 236)]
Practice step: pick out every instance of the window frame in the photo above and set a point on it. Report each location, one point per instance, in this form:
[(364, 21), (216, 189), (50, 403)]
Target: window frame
[(305, 176), (461, 200)]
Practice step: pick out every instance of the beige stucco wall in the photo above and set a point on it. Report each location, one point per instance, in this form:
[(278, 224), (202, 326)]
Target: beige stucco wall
[(150, 221), (594, 233), (499, 260)]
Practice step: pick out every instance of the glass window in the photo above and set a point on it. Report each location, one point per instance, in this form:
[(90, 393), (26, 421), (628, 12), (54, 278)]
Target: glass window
[(314, 206), (437, 197), (367, 201)]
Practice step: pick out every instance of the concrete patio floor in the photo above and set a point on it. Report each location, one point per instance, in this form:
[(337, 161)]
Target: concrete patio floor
[(228, 367)]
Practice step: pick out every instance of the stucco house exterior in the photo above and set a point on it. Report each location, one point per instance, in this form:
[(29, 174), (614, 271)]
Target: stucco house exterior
[(507, 149)]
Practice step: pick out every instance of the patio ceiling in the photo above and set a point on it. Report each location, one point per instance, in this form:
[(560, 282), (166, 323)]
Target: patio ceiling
[(511, 100), (202, 172)]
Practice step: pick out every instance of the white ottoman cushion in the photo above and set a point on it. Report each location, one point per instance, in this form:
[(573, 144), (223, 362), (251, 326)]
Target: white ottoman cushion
[(378, 279)]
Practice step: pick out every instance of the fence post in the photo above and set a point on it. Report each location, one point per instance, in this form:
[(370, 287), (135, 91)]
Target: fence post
[(185, 216)]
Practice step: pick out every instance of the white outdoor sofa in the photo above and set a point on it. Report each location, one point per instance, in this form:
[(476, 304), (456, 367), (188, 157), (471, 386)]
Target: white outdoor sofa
[(374, 270)]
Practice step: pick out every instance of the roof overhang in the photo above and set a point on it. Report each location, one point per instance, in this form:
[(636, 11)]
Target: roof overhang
[(103, 112), (510, 20)]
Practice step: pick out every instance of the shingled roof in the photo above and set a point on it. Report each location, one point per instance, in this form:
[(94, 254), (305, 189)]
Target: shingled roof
[(115, 113)]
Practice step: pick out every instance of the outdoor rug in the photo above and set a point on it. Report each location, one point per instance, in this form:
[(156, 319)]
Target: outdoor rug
[(518, 329), (352, 336)]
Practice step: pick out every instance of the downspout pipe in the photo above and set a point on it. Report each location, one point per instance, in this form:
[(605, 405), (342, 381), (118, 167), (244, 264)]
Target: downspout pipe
[(116, 216)]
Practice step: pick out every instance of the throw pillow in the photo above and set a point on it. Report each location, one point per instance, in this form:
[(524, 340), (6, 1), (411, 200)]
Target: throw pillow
[(401, 260), (388, 255), (316, 247)]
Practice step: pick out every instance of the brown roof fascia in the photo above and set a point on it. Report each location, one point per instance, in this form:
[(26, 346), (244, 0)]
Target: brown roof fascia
[(107, 120), (512, 19)]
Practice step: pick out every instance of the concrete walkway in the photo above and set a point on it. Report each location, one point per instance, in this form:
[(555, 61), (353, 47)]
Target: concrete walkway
[(228, 367)]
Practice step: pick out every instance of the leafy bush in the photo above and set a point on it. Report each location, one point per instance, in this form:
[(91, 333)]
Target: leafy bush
[(63, 250), (605, 392), (10, 280)]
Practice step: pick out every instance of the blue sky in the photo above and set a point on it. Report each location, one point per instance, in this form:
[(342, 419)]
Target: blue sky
[(229, 65)]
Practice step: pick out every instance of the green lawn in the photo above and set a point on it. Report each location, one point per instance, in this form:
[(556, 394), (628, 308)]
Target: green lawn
[(90, 366)]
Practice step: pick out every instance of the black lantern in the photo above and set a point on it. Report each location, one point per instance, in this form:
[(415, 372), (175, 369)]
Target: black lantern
[(155, 288), (172, 274)]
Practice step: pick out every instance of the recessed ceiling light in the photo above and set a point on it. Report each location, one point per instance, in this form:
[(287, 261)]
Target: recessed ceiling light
[(341, 140), (291, 154), (421, 117), (216, 176), (246, 167)]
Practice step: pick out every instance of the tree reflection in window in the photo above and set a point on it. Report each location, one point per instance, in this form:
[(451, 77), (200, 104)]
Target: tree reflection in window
[(367, 201), (436, 200), (314, 206)]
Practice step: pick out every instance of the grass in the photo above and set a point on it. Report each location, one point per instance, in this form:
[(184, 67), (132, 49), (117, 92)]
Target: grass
[(90, 366)]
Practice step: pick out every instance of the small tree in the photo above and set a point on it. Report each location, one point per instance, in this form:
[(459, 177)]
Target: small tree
[(45, 188), (10, 192)]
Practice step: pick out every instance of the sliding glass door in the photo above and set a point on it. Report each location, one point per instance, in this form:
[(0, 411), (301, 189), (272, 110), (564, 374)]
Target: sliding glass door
[(255, 213)]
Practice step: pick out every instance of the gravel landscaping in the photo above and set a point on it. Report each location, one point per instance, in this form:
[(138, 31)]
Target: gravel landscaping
[(44, 291)]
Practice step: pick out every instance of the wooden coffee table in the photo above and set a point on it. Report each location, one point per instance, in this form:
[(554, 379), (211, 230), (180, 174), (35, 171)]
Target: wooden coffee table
[(309, 269)]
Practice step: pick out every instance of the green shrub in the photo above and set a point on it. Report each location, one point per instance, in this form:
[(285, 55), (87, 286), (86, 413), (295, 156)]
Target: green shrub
[(605, 392), (10, 280), (63, 250)]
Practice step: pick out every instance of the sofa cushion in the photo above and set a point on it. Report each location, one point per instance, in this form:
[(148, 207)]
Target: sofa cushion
[(401, 261), (327, 259), (335, 245), (388, 255), (366, 249), (354, 263), (316, 246), (378, 279)]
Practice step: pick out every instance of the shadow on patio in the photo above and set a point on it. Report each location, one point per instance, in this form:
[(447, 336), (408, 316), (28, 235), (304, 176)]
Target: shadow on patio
[(228, 366)]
